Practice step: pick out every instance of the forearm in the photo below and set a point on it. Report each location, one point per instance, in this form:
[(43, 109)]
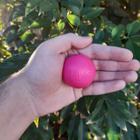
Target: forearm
[(15, 108)]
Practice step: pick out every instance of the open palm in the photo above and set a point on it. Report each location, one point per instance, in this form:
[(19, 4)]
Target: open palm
[(114, 66)]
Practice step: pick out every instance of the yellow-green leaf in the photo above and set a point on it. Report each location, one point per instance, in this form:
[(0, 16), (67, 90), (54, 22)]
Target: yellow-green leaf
[(60, 25), (36, 122), (35, 24), (112, 135), (73, 19), (26, 35), (1, 25)]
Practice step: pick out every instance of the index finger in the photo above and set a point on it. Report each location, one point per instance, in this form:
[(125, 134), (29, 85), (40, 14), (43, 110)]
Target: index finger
[(101, 52), (67, 41)]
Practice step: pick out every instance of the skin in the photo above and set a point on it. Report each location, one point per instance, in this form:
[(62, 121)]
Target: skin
[(38, 89)]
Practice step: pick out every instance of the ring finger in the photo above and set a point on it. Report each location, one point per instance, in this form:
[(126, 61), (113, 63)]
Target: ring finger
[(109, 65), (129, 76)]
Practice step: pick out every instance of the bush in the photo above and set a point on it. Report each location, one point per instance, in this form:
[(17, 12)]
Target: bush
[(113, 22)]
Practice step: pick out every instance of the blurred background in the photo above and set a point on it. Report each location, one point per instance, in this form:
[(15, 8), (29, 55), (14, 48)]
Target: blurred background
[(24, 24)]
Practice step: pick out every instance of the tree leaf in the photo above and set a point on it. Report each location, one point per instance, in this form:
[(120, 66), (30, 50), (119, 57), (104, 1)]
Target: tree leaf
[(26, 36), (111, 135), (82, 131), (66, 112), (35, 24), (1, 25), (120, 122), (34, 2), (98, 110), (136, 39), (99, 36), (36, 122), (116, 118), (89, 3), (117, 31), (134, 48), (75, 9), (82, 109), (130, 135), (133, 28), (29, 8), (73, 19), (73, 128), (95, 129), (91, 13), (49, 6), (77, 3), (60, 25)]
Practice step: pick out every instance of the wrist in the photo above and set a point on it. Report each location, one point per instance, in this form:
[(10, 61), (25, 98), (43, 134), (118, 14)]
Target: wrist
[(15, 107), (23, 93)]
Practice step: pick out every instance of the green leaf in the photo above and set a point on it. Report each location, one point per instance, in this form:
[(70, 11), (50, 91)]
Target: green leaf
[(111, 135), (114, 106), (99, 36), (133, 122), (98, 110), (119, 117), (91, 13), (4, 52), (82, 109), (12, 64), (120, 122), (92, 2), (75, 9), (18, 13), (28, 9), (82, 131), (34, 2), (64, 12), (73, 19), (11, 34), (117, 34), (64, 126), (77, 3), (134, 48), (136, 39), (60, 25), (116, 117), (35, 24), (96, 130), (24, 25), (85, 29), (49, 5), (130, 135), (73, 128), (129, 45), (1, 26), (45, 6), (66, 112), (138, 132), (26, 36), (133, 28), (117, 31)]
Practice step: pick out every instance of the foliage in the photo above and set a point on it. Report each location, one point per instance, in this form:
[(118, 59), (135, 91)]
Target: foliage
[(112, 22)]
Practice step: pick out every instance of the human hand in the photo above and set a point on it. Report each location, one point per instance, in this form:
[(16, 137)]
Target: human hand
[(43, 73)]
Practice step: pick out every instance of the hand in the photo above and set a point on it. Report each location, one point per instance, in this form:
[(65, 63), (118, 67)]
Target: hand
[(43, 73)]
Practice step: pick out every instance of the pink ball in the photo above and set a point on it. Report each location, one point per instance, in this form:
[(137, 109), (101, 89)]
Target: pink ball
[(79, 71)]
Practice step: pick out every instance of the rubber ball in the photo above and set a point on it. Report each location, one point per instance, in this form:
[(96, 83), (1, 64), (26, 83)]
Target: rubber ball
[(78, 71)]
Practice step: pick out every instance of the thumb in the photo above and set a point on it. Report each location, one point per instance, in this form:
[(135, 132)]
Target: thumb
[(66, 42)]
